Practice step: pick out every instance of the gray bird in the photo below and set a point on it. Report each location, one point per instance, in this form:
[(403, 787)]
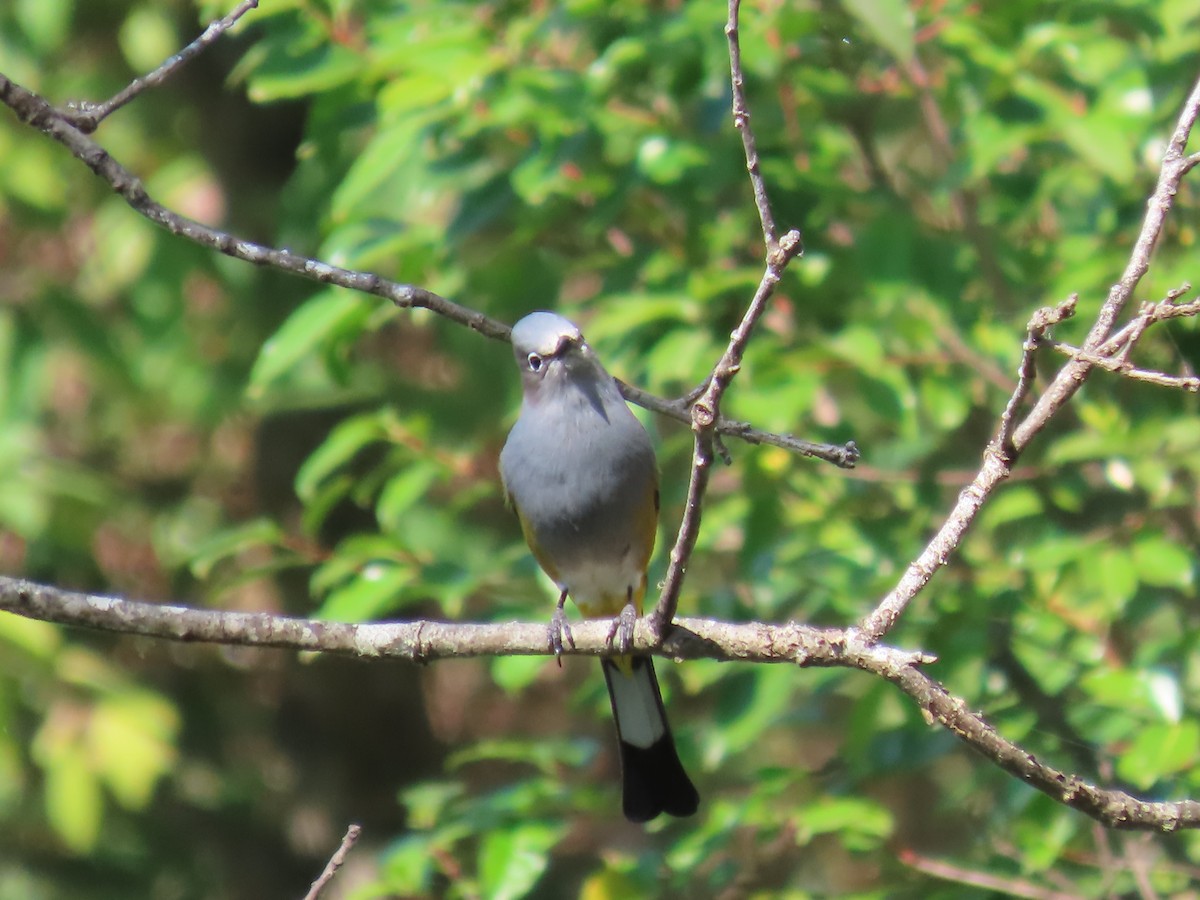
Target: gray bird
[(579, 470)]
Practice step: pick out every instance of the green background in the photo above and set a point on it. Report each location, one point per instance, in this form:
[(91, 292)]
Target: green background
[(176, 425)]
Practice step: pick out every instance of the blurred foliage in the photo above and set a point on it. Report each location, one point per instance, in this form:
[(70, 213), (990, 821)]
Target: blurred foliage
[(177, 425)]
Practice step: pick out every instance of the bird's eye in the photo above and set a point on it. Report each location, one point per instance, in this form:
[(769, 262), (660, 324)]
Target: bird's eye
[(535, 362)]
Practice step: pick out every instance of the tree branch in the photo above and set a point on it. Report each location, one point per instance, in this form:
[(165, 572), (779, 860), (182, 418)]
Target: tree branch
[(1188, 383), (741, 121), (1072, 376), (844, 456), (800, 645), (87, 116), (335, 862), (706, 410), (998, 461), (36, 112), (1035, 332), (1013, 887)]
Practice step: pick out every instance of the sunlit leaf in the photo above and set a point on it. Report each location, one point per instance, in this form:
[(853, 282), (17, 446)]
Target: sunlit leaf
[(512, 861), (1158, 751)]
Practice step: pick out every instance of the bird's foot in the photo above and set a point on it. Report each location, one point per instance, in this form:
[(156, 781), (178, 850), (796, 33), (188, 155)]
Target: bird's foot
[(620, 634), (557, 630)]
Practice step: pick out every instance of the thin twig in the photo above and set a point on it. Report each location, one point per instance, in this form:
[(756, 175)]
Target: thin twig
[(36, 112), (997, 465), (741, 121), (335, 862), (1013, 887), (705, 414), (1035, 331), (706, 410), (1174, 166), (1151, 313), (842, 455), (1122, 366), (87, 116)]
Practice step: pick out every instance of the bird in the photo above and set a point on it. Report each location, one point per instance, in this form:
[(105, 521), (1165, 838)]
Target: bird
[(580, 472)]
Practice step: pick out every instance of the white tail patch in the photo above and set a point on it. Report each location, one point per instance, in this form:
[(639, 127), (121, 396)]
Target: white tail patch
[(640, 718)]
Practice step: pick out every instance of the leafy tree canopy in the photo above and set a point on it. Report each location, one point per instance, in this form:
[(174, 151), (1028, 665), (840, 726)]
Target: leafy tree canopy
[(181, 426)]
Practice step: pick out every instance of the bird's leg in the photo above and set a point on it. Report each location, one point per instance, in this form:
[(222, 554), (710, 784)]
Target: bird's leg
[(559, 628), (620, 635)]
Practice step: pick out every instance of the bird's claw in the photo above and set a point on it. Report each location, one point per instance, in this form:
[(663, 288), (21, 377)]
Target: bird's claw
[(620, 634), (557, 630)]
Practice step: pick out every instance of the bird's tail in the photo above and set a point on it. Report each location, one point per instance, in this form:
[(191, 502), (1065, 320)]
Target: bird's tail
[(653, 777)]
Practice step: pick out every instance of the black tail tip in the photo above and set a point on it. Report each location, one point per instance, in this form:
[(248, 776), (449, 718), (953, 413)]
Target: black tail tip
[(655, 782)]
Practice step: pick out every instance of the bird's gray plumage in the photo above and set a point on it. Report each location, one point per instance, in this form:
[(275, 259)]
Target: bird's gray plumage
[(579, 466), (580, 471)]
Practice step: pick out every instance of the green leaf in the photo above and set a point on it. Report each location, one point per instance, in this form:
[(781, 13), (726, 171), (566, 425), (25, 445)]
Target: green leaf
[(890, 22), (131, 738), (47, 22), (231, 542), (665, 162), (512, 860), (377, 590), (410, 863), (1163, 563), (429, 803), (345, 442), (404, 491), (766, 696), (74, 804), (314, 325), (943, 401), (861, 823), (1159, 751), (147, 37), (1011, 504), (283, 75), (547, 756), (515, 673), (39, 639)]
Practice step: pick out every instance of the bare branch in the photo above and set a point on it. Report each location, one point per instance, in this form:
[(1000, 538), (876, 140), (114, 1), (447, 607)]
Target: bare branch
[(1122, 366), (844, 456), (37, 113), (424, 641), (1074, 373), (1150, 314), (741, 121), (1013, 887), (1036, 330), (87, 116), (1113, 808), (997, 460), (335, 862), (799, 645), (996, 467), (705, 413), (706, 409)]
